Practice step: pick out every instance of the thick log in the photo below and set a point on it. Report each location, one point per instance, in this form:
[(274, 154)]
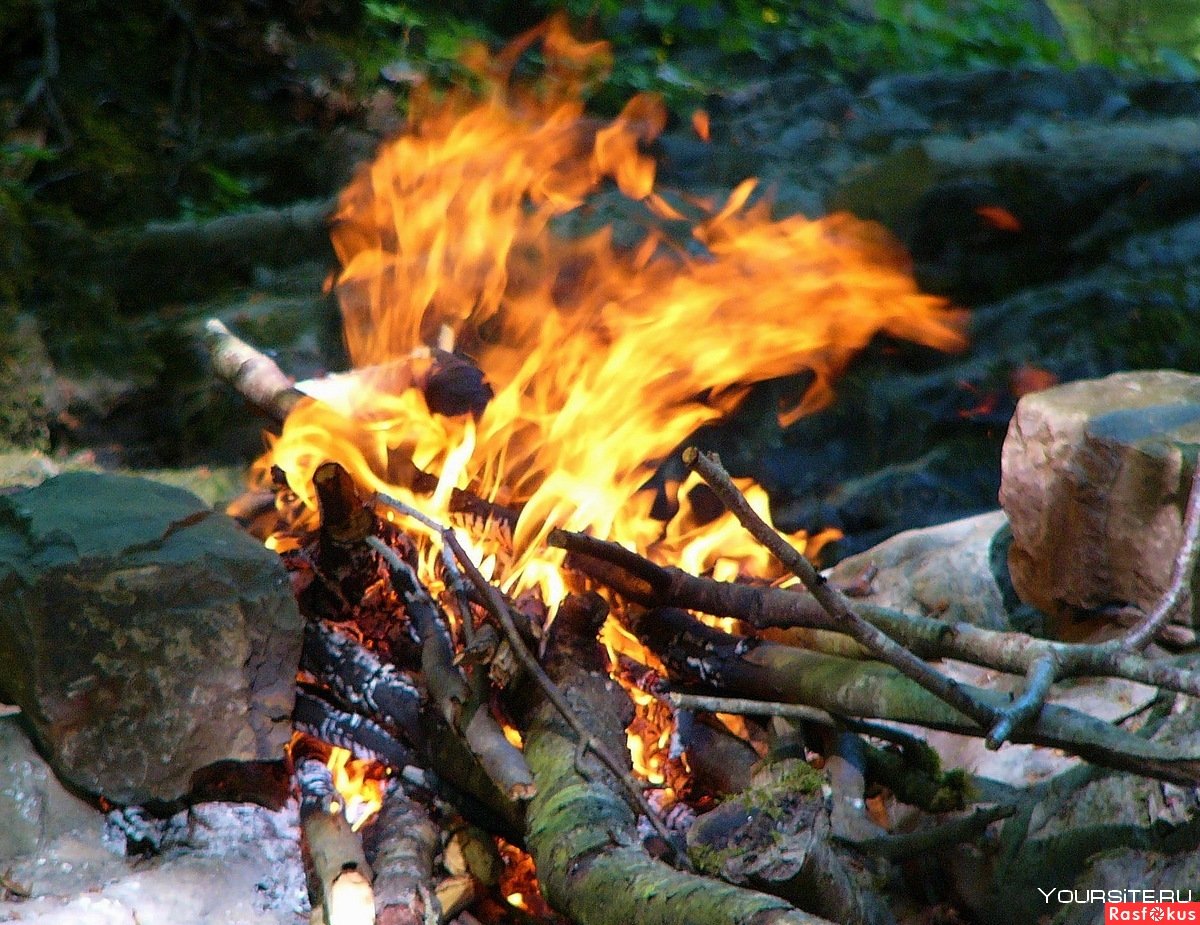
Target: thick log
[(696, 654), (583, 836), (340, 885), (402, 842), (776, 837)]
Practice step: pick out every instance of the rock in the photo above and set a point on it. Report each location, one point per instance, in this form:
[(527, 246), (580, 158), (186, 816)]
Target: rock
[(37, 809), (145, 637), (1095, 476), (943, 572)]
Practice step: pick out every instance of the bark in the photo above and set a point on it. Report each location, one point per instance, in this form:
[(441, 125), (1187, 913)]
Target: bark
[(719, 662), (340, 885), (583, 836), (405, 841)]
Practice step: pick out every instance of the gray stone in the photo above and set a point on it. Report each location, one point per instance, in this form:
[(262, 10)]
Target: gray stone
[(943, 572), (144, 636), (1095, 476)]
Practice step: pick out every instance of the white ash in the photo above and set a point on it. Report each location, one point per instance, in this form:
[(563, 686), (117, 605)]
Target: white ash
[(217, 864)]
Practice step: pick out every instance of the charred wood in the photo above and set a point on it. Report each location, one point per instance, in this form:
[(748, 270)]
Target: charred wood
[(361, 679), (340, 885), (363, 737), (464, 708)]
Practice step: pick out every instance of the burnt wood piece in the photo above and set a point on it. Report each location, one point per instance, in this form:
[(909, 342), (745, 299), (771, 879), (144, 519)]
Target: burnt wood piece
[(363, 737), (339, 884), (582, 834), (361, 679)]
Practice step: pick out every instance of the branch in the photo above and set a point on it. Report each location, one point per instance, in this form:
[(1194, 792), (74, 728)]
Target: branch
[(833, 601), (499, 610), (947, 834), (696, 654), (1181, 577), (466, 713), (341, 881), (651, 585), (255, 376)]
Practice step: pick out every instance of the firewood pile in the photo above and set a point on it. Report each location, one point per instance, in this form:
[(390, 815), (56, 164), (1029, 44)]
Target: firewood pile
[(473, 711)]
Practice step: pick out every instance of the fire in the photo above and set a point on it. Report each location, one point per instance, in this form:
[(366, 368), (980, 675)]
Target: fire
[(358, 784), (603, 357)]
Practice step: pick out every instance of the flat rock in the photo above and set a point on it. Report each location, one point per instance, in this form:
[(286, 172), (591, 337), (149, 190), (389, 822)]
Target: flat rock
[(144, 636), (1095, 477)]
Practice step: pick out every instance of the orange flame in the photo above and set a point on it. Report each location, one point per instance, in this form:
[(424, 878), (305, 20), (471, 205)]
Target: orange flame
[(604, 358)]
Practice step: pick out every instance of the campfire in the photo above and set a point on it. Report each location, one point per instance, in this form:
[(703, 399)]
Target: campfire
[(513, 438)]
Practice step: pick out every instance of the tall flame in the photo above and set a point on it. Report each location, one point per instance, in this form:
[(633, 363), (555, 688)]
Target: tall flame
[(604, 358)]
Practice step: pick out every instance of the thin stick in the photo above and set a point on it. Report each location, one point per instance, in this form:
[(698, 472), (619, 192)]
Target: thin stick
[(1181, 577), (742, 706), (497, 608), (833, 601), (1042, 675)]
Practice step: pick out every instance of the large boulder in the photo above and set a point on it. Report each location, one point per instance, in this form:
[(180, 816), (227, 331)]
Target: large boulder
[(144, 636), (1096, 475)]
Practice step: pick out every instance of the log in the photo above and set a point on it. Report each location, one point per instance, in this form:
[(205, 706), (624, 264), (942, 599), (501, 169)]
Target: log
[(776, 837), (361, 679), (582, 834), (402, 842), (340, 885)]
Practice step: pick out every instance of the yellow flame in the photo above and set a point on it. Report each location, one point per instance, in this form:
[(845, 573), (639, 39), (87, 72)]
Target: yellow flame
[(361, 793), (603, 358)]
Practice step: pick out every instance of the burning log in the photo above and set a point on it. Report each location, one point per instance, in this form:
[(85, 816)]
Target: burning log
[(405, 841), (463, 708), (340, 886), (361, 679), (698, 655), (583, 836), (363, 737)]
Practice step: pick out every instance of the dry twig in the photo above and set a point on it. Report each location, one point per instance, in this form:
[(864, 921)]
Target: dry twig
[(833, 601)]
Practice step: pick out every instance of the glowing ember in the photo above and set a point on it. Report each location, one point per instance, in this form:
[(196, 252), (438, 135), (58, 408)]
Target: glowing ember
[(603, 359)]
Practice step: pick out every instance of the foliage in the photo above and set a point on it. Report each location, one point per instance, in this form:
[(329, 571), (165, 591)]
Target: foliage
[(1144, 35), (692, 49)]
